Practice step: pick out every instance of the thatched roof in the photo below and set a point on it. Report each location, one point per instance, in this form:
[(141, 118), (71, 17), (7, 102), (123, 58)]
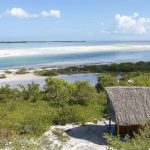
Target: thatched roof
[(128, 105)]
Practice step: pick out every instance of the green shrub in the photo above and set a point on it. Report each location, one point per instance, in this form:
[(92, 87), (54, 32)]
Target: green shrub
[(28, 118), (22, 71), (67, 115), (76, 113), (140, 141), (138, 79), (8, 72), (130, 75), (46, 73), (6, 92), (106, 80), (83, 93), (2, 76), (31, 92), (57, 89)]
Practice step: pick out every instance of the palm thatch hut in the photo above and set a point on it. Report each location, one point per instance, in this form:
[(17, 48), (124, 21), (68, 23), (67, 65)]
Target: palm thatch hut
[(128, 107)]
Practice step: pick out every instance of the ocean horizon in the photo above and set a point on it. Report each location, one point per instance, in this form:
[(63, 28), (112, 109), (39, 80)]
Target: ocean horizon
[(58, 53)]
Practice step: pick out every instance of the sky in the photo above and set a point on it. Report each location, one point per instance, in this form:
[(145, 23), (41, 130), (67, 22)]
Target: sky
[(56, 20)]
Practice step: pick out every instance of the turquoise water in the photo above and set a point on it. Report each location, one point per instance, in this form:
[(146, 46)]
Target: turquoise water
[(68, 58)]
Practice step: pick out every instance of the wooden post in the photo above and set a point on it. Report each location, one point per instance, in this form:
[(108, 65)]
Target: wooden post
[(115, 128), (118, 130), (128, 130), (109, 125)]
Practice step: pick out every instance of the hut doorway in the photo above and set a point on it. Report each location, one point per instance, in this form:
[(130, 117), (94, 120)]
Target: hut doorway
[(122, 130)]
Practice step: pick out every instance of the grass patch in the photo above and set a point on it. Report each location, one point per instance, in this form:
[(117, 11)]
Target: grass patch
[(60, 134)]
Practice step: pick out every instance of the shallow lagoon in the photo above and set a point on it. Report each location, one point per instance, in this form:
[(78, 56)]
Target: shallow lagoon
[(92, 78)]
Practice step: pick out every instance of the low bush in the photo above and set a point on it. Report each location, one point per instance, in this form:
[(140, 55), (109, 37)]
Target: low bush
[(2, 76), (8, 72), (7, 93), (128, 79), (140, 141), (67, 115), (22, 71), (31, 92), (46, 73), (27, 117), (106, 80), (83, 93)]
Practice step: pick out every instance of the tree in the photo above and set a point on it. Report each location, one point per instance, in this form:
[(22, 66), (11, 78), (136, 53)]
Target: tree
[(6, 92), (31, 92), (83, 93), (104, 81), (57, 90)]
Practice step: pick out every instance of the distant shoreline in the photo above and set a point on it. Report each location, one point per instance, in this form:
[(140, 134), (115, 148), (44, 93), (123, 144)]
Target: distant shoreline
[(60, 54), (7, 42), (53, 66), (100, 41), (64, 65), (80, 49)]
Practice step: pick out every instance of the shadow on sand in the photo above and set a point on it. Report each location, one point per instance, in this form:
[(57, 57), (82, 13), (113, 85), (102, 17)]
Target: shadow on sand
[(93, 133)]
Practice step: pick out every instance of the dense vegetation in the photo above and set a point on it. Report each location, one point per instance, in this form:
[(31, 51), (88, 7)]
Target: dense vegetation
[(122, 67), (102, 68), (29, 111), (129, 79)]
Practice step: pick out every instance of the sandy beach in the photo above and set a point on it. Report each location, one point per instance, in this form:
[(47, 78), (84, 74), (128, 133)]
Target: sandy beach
[(15, 79), (72, 49), (80, 137)]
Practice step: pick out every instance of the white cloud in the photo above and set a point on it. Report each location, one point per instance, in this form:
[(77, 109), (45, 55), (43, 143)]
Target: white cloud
[(55, 13), (135, 15), (21, 13), (17, 12), (132, 24), (52, 13)]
